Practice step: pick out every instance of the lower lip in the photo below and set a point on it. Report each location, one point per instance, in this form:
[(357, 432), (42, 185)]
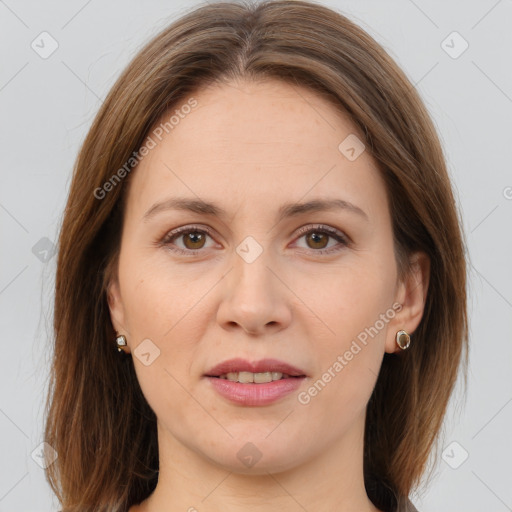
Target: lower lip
[(255, 394)]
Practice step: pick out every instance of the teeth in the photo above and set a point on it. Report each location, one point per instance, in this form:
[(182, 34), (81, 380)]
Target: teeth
[(257, 378), (245, 377)]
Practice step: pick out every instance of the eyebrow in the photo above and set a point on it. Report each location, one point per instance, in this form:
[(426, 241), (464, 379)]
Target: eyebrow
[(285, 211)]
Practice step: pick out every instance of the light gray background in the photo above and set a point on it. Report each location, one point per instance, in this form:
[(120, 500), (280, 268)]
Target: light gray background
[(47, 106)]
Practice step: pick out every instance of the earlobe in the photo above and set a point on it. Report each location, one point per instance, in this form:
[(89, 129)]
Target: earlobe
[(412, 295)]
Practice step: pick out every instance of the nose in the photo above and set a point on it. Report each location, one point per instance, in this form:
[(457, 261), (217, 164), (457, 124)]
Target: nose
[(255, 298)]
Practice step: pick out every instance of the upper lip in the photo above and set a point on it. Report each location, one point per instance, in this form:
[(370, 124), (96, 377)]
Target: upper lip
[(261, 366)]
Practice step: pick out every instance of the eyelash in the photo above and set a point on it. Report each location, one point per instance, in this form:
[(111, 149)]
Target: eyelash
[(317, 228)]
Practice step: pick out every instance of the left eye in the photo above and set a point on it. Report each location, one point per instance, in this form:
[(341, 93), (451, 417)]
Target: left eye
[(319, 236), (194, 239)]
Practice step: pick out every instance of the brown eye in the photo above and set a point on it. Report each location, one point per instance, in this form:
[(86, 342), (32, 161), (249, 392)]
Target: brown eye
[(187, 241), (317, 239), (193, 240)]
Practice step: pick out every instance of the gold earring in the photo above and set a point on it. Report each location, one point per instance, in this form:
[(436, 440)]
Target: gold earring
[(403, 340), (121, 343)]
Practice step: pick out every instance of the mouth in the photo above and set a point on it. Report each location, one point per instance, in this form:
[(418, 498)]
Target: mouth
[(255, 378), (255, 389), (258, 372), (252, 384)]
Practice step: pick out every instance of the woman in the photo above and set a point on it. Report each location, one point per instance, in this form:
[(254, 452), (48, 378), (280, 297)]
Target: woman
[(261, 285)]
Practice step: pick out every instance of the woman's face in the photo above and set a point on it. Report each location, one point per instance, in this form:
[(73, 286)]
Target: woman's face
[(315, 288)]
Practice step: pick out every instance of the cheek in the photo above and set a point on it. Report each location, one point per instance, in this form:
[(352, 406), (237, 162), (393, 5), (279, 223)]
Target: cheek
[(357, 307), (167, 305), (163, 310), (157, 294), (353, 296)]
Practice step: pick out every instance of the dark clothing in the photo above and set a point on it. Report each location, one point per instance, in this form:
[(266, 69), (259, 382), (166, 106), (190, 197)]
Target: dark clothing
[(405, 505)]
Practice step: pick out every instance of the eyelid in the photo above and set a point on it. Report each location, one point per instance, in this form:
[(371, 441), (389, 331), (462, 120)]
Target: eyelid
[(187, 228), (323, 227)]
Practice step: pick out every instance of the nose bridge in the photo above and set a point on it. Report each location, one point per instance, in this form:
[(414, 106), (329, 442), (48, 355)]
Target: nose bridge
[(253, 298), (251, 277)]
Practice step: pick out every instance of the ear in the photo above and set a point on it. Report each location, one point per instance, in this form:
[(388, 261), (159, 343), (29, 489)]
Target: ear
[(115, 305), (411, 293)]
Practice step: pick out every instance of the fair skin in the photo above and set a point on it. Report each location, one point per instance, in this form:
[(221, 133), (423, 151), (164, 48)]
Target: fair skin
[(249, 148)]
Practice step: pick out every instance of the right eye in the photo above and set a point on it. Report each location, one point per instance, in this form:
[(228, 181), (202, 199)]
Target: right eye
[(193, 239)]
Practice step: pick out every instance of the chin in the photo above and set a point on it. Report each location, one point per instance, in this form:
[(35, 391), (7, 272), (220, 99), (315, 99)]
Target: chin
[(257, 456)]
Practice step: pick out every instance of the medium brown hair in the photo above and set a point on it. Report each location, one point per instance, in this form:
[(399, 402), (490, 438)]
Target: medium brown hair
[(98, 420)]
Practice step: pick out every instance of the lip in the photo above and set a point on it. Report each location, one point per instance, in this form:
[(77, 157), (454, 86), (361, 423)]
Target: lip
[(264, 365), (255, 394)]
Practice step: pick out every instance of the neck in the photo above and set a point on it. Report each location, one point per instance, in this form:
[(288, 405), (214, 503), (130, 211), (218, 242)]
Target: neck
[(332, 480)]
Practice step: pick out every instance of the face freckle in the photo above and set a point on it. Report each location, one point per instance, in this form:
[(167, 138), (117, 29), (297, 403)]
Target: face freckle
[(251, 148)]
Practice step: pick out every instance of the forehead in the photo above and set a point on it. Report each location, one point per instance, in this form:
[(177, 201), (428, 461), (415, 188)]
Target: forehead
[(266, 139), (268, 119)]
